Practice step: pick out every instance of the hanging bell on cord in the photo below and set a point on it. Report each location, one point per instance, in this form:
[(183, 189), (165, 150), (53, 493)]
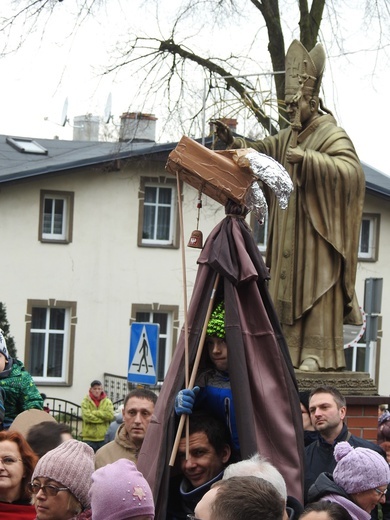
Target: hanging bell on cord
[(196, 239)]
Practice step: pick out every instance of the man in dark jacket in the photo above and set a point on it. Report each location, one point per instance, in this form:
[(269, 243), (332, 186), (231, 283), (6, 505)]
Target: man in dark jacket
[(209, 453), (327, 407)]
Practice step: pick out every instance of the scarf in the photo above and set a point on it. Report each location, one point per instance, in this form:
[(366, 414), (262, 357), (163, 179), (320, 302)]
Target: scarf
[(97, 400)]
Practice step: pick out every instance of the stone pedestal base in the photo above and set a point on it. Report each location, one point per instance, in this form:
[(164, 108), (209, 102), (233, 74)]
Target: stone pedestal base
[(348, 383)]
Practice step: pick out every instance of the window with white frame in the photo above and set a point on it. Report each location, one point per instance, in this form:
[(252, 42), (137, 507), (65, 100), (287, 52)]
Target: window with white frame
[(260, 232), (26, 145), (56, 216), (165, 316), (158, 213), (50, 341), (368, 240)]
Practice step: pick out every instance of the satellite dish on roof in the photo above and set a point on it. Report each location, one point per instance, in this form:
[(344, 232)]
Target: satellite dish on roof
[(107, 110), (64, 115)]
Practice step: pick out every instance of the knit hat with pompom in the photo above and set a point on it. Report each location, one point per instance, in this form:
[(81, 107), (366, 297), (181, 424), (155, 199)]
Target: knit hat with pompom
[(359, 469)]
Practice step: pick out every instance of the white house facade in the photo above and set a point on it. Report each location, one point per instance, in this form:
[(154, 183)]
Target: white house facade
[(91, 242)]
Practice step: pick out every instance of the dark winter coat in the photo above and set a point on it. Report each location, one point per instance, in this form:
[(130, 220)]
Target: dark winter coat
[(183, 498), (325, 488), (319, 455)]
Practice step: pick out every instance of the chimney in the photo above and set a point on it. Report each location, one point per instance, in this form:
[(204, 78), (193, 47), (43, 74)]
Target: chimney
[(137, 127), (86, 128)]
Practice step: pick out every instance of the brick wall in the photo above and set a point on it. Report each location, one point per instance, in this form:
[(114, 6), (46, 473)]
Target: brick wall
[(362, 415)]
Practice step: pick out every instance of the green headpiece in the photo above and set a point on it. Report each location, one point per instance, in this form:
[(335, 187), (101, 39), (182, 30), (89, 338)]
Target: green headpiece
[(216, 325)]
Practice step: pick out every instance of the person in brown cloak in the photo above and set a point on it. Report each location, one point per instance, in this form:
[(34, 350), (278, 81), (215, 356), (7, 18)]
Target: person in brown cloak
[(262, 377)]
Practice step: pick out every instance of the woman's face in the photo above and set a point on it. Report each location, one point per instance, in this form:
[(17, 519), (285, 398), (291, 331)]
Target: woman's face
[(52, 507), (369, 499), (11, 471)]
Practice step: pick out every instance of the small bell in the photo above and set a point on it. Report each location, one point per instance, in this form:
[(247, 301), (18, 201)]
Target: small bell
[(196, 239)]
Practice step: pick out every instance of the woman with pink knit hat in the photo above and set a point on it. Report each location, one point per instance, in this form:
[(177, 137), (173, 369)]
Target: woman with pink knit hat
[(120, 492), (61, 482), (359, 481)]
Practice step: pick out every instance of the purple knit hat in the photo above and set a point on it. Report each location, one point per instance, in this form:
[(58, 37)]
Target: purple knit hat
[(70, 464), (359, 469), (119, 491)]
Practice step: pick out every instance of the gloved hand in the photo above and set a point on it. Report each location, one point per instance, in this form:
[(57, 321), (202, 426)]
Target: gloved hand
[(185, 399)]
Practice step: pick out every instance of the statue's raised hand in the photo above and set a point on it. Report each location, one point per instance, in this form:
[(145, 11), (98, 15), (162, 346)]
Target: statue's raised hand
[(223, 132)]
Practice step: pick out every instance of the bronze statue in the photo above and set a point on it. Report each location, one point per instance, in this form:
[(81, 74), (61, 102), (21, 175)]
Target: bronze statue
[(312, 245)]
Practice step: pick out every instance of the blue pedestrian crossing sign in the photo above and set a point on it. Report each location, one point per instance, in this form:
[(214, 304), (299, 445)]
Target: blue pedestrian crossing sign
[(143, 353)]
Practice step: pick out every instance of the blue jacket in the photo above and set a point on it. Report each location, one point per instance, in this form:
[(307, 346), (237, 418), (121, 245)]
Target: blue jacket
[(215, 396)]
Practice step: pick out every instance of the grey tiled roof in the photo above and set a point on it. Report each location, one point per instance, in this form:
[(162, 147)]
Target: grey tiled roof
[(67, 155), (377, 182)]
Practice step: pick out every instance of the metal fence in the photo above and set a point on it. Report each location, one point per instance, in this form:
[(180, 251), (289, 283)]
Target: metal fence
[(116, 388), (66, 412)]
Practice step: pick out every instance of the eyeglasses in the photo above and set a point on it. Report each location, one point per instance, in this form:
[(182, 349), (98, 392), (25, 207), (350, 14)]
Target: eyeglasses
[(8, 461), (192, 517), (380, 492), (50, 491)]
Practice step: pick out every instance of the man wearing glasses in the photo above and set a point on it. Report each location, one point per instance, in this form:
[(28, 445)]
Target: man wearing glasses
[(209, 453)]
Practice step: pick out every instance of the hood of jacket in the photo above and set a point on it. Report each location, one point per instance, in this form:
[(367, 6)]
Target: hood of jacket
[(122, 438), (325, 485)]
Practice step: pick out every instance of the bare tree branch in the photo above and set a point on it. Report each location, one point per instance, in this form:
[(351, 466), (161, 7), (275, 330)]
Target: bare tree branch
[(173, 61)]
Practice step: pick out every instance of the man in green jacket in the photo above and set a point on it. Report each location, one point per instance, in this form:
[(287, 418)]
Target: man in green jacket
[(97, 411)]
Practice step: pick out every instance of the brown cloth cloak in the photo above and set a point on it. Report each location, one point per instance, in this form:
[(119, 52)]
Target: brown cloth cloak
[(262, 376)]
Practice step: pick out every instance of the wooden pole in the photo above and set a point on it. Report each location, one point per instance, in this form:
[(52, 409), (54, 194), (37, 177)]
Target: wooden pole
[(183, 261), (195, 368), (184, 269)]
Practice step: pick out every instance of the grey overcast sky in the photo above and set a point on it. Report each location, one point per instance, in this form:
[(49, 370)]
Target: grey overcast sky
[(46, 70)]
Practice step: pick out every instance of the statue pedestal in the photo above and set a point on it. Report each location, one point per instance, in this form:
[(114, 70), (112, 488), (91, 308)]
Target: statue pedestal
[(348, 383)]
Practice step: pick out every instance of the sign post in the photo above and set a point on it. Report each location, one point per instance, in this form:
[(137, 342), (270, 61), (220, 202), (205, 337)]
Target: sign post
[(143, 353)]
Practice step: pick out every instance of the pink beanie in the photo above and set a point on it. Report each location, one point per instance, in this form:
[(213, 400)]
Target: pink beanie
[(119, 491), (359, 469), (70, 464)]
